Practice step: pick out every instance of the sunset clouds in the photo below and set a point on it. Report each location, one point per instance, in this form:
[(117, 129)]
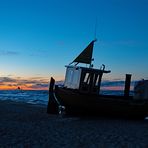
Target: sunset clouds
[(35, 83), (40, 83)]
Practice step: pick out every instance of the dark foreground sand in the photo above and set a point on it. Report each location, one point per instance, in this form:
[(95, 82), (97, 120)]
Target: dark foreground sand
[(24, 125)]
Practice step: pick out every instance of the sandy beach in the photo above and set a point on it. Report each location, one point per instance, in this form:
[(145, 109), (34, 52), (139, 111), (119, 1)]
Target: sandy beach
[(25, 125)]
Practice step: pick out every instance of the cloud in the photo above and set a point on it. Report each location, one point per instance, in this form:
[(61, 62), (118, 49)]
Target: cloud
[(7, 79), (113, 83), (39, 53), (31, 83), (8, 53), (38, 86)]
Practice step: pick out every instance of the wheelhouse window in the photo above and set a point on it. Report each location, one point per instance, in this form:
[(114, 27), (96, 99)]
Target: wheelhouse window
[(90, 82), (96, 80), (87, 78)]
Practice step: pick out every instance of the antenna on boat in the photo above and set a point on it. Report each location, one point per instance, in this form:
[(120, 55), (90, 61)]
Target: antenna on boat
[(95, 39), (95, 33)]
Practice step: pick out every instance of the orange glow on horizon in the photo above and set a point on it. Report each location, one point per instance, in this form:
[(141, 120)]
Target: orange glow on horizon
[(5, 87), (40, 83), (115, 88), (37, 83)]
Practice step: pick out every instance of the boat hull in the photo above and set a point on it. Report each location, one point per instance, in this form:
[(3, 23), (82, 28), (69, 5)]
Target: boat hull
[(77, 103)]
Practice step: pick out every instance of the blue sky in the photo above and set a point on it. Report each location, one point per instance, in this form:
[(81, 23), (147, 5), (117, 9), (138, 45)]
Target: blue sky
[(39, 37)]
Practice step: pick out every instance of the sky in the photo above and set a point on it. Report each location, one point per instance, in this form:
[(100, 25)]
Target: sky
[(39, 37)]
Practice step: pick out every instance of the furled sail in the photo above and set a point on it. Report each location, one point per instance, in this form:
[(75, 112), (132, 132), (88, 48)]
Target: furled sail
[(86, 55)]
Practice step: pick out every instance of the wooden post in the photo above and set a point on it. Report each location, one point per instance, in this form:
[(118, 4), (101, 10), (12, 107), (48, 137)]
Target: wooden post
[(127, 85), (52, 105), (99, 82), (52, 82)]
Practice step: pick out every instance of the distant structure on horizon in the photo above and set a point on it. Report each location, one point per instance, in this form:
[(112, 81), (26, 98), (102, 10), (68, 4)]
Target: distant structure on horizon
[(18, 88)]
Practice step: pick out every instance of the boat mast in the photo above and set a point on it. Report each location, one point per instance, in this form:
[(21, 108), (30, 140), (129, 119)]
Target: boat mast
[(95, 39)]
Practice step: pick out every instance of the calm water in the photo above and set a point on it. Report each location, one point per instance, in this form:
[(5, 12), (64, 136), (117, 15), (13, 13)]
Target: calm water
[(36, 96)]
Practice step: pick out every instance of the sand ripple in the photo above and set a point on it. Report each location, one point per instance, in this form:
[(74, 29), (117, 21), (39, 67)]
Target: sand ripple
[(24, 125)]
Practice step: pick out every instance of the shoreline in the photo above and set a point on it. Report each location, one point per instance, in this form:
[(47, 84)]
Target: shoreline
[(28, 125)]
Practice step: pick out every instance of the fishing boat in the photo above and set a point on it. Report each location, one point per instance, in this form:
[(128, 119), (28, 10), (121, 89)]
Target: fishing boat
[(80, 94)]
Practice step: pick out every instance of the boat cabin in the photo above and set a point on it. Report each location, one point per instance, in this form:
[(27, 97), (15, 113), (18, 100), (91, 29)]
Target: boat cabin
[(83, 79)]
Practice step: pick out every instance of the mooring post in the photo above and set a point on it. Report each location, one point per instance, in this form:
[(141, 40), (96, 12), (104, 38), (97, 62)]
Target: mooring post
[(99, 82), (52, 81), (127, 85), (52, 106)]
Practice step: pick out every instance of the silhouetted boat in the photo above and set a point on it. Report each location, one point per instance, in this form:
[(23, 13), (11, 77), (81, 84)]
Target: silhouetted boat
[(80, 94)]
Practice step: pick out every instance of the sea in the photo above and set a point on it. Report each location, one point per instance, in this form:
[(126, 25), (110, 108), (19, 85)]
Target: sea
[(39, 97), (27, 96)]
